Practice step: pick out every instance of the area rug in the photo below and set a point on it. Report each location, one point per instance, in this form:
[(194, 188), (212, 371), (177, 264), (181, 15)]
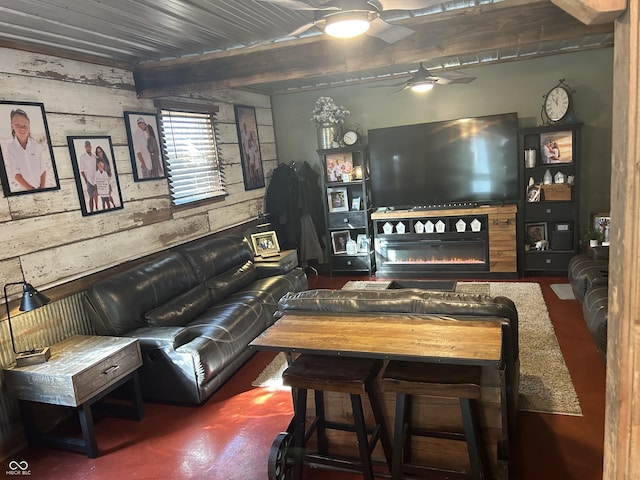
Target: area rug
[(563, 291), (545, 383)]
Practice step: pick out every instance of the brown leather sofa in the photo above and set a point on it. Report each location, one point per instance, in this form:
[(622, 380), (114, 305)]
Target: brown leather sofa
[(194, 310), (589, 278)]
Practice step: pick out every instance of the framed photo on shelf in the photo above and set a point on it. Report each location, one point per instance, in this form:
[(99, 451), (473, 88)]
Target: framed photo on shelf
[(355, 203), (143, 137), (338, 199), (536, 231), (338, 164), (339, 241), (265, 244), (556, 147), (26, 153), (533, 193), (94, 169), (362, 241)]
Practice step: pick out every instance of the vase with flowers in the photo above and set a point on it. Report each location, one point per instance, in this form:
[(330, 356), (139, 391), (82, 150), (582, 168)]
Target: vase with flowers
[(327, 115)]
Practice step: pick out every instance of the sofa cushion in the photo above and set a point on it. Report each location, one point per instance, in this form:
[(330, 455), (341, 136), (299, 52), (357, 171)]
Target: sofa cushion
[(118, 304), (221, 286), (213, 256), (180, 310)]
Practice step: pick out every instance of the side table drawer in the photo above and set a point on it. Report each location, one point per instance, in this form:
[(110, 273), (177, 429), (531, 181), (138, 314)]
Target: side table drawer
[(107, 371)]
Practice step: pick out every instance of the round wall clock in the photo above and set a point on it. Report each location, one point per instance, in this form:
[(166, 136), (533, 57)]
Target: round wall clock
[(350, 137), (558, 103)]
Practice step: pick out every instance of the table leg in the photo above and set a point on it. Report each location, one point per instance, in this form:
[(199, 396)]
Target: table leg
[(88, 431)]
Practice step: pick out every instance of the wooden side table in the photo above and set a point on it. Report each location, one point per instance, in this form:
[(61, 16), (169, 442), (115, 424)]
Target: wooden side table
[(286, 260), (82, 370)]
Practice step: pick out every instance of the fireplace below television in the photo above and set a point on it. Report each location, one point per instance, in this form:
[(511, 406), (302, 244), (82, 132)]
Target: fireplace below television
[(442, 255), (470, 242)]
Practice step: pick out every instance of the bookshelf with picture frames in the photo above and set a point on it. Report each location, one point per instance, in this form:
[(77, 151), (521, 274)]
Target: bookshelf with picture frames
[(347, 206), (550, 181)]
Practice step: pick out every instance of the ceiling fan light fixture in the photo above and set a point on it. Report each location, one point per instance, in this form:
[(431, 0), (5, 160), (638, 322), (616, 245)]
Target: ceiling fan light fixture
[(347, 24), (421, 87)]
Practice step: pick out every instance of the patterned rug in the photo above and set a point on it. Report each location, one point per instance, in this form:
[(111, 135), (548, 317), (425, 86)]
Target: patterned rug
[(545, 383)]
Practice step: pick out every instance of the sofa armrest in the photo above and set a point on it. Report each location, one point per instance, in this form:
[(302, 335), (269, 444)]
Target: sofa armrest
[(163, 337), (269, 269)]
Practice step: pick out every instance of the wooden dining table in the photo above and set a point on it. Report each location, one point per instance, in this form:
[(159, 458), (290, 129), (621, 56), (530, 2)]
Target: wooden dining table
[(408, 337)]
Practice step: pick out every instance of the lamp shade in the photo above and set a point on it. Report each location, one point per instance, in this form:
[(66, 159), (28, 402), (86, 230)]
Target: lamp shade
[(32, 298)]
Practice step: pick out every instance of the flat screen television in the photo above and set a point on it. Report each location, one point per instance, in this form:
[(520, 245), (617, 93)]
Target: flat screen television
[(463, 161)]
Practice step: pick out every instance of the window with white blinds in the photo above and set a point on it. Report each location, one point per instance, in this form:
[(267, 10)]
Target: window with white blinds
[(193, 164)]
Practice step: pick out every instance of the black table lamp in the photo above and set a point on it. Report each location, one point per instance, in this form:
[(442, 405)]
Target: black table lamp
[(31, 299)]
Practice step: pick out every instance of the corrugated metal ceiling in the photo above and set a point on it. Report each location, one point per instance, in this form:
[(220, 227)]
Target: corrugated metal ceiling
[(141, 31)]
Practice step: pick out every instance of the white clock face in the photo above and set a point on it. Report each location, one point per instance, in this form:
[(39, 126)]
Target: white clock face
[(556, 104), (350, 137)]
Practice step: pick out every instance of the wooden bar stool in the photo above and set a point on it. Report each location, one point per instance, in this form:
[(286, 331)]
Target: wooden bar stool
[(354, 376), (407, 379)]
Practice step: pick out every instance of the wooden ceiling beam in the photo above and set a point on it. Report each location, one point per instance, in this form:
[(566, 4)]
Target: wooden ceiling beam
[(526, 23), (593, 12)]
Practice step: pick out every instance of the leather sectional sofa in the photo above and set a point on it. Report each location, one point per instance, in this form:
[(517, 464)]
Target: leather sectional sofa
[(194, 310), (589, 278), (449, 305)]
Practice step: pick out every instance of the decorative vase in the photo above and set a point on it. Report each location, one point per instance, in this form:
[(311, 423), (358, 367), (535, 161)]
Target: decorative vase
[(326, 136)]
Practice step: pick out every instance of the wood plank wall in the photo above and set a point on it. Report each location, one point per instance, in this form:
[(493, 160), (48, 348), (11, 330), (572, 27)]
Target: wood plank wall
[(45, 236)]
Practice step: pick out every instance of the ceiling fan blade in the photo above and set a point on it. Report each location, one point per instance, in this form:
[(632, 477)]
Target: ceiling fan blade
[(297, 5), (449, 80), (388, 32), (302, 29), (404, 4)]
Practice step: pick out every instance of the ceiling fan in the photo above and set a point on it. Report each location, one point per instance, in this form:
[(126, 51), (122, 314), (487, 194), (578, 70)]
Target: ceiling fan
[(423, 80), (350, 18)]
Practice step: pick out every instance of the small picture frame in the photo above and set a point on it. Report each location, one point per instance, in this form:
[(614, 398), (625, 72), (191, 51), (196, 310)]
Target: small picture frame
[(339, 241), (556, 147), (338, 199), (355, 203), (143, 136), (95, 172), (362, 242), (536, 232), (265, 244), (26, 154), (339, 164), (533, 193)]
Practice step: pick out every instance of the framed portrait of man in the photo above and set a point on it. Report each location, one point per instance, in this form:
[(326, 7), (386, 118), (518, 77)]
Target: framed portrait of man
[(143, 136), (26, 156)]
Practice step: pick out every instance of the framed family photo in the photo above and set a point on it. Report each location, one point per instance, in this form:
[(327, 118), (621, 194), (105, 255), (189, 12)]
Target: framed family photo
[(265, 244), (26, 155), (556, 147), (250, 155), (143, 136), (339, 167), (95, 172)]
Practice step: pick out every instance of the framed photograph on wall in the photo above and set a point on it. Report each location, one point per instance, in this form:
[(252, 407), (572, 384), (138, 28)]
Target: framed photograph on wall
[(250, 156), (536, 232), (143, 136), (26, 156), (556, 147), (265, 244), (338, 199), (339, 167), (339, 241), (94, 168)]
